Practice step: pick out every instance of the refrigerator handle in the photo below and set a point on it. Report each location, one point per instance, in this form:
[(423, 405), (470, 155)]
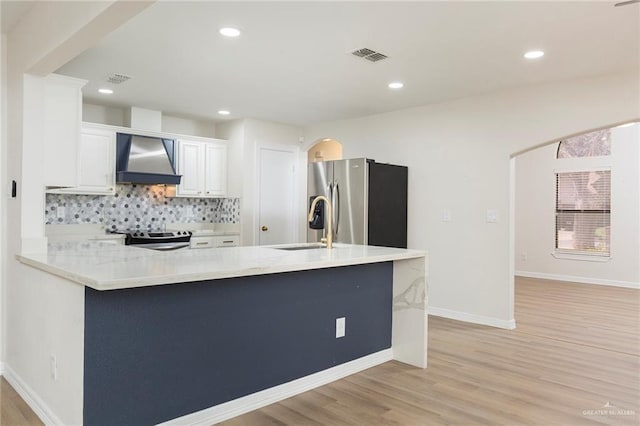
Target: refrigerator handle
[(331, 197), (336, 209)]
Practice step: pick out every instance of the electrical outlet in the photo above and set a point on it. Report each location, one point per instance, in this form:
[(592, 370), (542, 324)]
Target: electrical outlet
[(341, 327), (446, 215), (524, 256), (60, 212), (53, 367)]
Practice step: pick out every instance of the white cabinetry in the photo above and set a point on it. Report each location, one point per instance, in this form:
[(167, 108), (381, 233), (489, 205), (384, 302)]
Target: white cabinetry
[(203, 166), (215, 242), (191, 167), (95, 169), (62, 117), (215, 170)]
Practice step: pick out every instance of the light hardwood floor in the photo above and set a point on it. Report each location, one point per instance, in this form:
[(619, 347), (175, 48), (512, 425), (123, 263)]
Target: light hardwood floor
[(574, 359), (13, 410)]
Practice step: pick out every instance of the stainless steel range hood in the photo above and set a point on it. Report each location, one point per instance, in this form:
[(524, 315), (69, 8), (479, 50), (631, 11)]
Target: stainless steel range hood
[(145, 160)]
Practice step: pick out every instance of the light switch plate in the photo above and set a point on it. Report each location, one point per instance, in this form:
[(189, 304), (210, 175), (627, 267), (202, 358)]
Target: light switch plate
[(446, 215), (492, 216)]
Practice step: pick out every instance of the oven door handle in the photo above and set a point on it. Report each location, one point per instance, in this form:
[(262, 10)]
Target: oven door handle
[(162, 246)]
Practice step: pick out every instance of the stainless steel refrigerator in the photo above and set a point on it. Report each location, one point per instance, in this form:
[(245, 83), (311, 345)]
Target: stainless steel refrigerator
[(369, 201)]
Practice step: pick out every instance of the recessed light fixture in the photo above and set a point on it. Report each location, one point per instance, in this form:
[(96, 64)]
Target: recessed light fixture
[(534, 54), (105, 91), (396, 85), (223, 112), (230, 32)]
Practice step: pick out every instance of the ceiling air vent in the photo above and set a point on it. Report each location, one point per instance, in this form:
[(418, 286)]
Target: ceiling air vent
[(116, 78), (369, 54)]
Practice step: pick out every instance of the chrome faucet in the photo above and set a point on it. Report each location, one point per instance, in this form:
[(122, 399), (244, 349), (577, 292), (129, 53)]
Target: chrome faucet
[(329, 239)]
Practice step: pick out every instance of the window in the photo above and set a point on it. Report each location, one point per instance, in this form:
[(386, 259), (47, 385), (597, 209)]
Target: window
[(583, 198), (583, 210), (591, 144)]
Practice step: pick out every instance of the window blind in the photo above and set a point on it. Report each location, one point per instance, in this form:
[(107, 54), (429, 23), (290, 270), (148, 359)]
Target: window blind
[(583, 211)]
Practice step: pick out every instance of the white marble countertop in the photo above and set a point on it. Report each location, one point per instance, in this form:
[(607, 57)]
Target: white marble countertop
[(104, 266)]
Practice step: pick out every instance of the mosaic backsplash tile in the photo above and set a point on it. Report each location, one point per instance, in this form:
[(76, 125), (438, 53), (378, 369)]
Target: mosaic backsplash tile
[(142, 207)]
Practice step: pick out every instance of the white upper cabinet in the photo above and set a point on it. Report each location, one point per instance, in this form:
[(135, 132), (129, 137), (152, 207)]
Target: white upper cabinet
[(215, 170), (62, 117), (95, 169), (191, 167), (203, 166), (97, 160)]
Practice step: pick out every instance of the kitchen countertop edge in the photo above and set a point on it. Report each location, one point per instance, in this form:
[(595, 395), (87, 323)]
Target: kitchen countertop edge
[(272, 261)]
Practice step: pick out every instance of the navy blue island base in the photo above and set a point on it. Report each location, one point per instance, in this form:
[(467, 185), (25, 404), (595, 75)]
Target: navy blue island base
[(156, 353)]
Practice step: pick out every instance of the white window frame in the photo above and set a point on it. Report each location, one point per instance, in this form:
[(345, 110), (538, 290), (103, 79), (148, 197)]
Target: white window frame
[(575, 254)]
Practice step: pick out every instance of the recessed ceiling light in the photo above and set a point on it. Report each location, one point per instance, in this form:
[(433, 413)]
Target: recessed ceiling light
[(534, 54), (230, 32), (223, 112), (396, 85), (105, 91)]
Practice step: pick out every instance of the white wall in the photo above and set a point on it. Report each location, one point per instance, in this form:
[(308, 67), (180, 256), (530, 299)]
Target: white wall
[(117, 116), (458, 155), (535, 220), (3, 184), (51, 325), (186, 126), (102, 114)]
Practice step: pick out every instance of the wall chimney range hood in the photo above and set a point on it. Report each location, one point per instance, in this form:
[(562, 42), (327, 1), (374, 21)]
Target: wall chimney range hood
[(145, 160)]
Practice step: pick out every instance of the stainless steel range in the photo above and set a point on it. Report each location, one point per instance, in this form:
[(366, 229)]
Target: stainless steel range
[(158, 240)]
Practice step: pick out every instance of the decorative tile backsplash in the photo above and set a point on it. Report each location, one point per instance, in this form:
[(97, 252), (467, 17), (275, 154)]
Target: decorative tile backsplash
[(142, 207)]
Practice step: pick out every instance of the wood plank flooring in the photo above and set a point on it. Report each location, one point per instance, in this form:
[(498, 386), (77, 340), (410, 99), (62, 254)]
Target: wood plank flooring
[(574, 359), (13, 410)]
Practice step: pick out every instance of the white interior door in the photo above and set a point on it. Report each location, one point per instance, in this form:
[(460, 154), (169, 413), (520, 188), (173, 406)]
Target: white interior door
[(276, 192)]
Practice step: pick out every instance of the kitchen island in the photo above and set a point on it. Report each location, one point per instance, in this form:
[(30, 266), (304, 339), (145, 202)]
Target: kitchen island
[(198, 336)]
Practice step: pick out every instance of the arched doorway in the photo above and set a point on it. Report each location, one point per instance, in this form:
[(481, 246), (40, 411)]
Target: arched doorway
[(552, 197), (326, 149)]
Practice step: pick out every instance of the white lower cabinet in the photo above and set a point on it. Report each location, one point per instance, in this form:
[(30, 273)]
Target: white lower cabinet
[(203, 166), (96, 163), (215, 242)]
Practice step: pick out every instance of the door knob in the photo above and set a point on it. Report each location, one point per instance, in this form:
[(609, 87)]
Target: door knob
[(264, 228)]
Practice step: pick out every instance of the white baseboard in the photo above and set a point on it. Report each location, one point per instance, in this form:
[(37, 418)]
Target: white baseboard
[(581, 280), (30, 397), (263, 398), (472, 318)]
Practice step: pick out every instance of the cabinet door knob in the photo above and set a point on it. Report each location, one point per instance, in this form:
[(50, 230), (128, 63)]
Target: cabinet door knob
[(264, 228)]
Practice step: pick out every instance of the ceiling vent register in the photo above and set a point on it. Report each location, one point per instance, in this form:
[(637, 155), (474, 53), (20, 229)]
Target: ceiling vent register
[(369, 54), (116, 78)]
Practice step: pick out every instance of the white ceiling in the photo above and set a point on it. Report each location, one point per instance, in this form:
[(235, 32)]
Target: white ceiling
[(292, 62)]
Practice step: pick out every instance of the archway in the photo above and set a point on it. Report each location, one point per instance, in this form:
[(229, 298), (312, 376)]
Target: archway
[(326, 149), (536, 225)]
